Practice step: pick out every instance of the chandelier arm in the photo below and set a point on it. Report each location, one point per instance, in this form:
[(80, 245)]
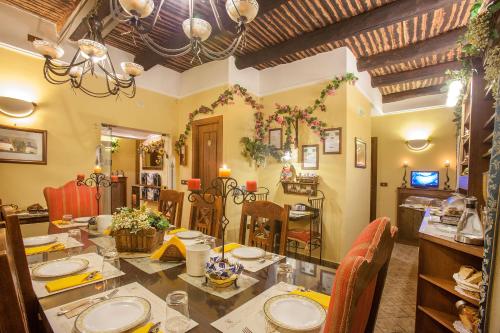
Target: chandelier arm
[(216, 15), (150, 41), (116, 13), (164, 52), (51, 79)]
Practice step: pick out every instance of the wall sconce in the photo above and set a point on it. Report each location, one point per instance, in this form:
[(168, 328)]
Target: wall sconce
[(16, 108), (418, 144), (405, 182)]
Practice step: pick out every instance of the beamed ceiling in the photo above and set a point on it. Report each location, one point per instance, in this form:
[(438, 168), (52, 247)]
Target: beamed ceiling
[(406, 45)]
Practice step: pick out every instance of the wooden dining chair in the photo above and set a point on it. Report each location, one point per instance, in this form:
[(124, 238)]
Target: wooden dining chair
[(267, 226), (170, 204), (360, 279), (207, 216), (78, 201), (15, 250)]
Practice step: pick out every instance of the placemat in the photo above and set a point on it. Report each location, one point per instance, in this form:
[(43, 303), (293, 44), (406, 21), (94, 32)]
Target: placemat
[(60, 324), (95, 264), (64, 239), (152, 266), (244, 282), (256, 264)]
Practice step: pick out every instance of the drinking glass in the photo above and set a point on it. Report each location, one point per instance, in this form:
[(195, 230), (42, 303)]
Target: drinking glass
[(110, 265), (76, 235), (285, 274), (177, 312)]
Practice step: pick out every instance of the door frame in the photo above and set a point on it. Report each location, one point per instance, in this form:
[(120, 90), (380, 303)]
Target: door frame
[(373, 178), (218, 120)]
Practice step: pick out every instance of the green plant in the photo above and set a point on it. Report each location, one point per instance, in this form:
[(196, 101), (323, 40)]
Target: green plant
[(258, 151), (115, 145)]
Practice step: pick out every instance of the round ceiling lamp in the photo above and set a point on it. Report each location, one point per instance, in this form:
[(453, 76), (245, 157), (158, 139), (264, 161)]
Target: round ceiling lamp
[(16, 108)]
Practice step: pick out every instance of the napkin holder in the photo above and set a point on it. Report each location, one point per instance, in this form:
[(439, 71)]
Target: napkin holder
[(175, 251)]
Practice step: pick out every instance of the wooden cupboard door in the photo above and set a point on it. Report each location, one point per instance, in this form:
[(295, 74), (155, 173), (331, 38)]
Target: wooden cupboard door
[(207, 149)]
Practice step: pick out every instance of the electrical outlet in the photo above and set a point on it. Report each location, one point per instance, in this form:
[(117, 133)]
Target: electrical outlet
[(383, 184)]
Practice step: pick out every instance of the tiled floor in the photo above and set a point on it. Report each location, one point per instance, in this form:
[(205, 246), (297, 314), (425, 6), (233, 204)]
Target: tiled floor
[(397, 307)]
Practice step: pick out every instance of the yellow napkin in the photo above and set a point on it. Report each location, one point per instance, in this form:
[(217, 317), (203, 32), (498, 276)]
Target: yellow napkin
[(70, 281), (173, 241), (60, 222), (228, 247), (44, 248), (145, 329), (322, 299), (173, 232), (106, 232)]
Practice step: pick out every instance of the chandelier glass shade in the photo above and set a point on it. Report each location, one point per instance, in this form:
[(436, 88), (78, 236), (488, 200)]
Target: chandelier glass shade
[(91, 57), (197, 30)]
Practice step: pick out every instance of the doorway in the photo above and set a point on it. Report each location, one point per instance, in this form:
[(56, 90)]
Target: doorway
[(373, 180), (207, 149)]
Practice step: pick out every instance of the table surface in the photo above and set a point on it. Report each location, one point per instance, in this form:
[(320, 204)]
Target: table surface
[(204, 308)]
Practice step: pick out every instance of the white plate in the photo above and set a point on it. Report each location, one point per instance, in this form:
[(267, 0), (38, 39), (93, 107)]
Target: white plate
[(116, 315), (83, 219), (294, 312), (57, 268), (189, 234), (39, 240), (248, 252)]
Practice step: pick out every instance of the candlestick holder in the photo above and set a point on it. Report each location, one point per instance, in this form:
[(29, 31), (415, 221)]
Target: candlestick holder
[(224, 187), (405, 182), (98, 180), (447, 182)]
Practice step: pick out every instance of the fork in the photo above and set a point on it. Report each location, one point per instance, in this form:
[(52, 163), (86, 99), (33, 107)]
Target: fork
[(79, 304), (246, 330)]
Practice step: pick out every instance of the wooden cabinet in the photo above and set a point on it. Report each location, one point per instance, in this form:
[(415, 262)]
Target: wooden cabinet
[(119, 194)]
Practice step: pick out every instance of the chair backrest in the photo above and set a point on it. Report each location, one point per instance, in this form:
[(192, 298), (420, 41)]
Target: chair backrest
[(317, 203), (170, 204), (262, 194), (206, 215), (16, 252), (359, 280), (266, 219), (70, 199)]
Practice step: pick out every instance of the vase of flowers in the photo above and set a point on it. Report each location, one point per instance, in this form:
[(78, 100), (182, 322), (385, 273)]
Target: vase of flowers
[(138, 230)]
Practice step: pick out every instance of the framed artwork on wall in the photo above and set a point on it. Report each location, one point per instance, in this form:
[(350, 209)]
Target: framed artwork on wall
[(310, 157), (360, 154), (276, 138), (326, 279), (23, 145), (308, 268), (333, 141)]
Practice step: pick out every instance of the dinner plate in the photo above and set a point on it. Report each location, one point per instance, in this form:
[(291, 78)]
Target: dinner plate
[(57, 268), (115, 315), (294, 312), (83, 219), (39, 240), (248, 252), (190, 234)]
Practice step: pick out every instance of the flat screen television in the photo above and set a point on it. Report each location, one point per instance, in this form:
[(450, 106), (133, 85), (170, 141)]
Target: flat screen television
[(427, 179)]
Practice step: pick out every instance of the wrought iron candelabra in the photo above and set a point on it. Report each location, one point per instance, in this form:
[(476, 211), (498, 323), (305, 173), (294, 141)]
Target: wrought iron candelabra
[(224, 187), (98, 180)]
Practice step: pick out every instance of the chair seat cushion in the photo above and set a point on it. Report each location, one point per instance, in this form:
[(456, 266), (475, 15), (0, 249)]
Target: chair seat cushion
[(301, 235)]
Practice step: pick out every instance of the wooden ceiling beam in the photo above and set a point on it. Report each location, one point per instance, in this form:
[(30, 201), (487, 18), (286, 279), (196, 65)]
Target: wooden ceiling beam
[(432, 46), (416, 74), (81, 30), (399, 96), (388, 14)]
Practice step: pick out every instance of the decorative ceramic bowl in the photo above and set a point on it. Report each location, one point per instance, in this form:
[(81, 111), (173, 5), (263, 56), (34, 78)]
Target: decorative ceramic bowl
[(222, 273)]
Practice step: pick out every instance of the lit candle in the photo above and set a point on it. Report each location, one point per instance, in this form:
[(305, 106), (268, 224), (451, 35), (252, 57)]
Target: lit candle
[(114, 179), (447, 163), (224, 172), (194, 184), (251, 186), (97, 169), (80, 177)]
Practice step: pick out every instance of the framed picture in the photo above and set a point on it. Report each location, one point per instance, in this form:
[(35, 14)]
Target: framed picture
[(333, 141), (308, 268), (276, 138), (310, 157), (360, 157), (23, 145), (326, 279)]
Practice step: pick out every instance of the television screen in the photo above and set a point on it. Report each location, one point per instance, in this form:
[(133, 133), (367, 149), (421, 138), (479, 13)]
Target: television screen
[(425, 179)]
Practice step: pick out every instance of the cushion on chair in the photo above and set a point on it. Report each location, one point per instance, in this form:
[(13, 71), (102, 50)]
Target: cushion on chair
[(300, 235), (70, 199), (356, 278)]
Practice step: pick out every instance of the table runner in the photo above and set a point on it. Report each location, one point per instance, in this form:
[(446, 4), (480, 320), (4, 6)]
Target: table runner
[(244, 282)]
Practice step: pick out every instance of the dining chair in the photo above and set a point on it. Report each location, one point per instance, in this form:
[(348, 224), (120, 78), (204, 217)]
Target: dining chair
[(206, 215), (78, 201), (262, 194), (268, 225), (360, 279), (170, 204), (16, 253)]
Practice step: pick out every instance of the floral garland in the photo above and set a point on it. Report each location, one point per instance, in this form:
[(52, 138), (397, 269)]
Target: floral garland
[(157, 147)]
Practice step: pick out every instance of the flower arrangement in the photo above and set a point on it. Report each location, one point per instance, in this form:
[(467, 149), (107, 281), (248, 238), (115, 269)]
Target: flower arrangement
[(157, 147), (135, 220), (222, 273)]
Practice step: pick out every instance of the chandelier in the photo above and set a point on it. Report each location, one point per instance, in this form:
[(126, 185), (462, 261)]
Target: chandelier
[(198, 30), (92, 56)]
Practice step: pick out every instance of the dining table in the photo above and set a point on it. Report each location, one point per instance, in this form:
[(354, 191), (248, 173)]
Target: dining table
[(204, 308)]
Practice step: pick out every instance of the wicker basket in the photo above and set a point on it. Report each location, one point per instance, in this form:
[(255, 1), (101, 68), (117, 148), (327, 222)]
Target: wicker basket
[(142, 241)]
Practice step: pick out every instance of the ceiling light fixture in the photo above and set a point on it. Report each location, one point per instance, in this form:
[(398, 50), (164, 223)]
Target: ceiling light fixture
[(198, 30), (92, 56), (16, 108)]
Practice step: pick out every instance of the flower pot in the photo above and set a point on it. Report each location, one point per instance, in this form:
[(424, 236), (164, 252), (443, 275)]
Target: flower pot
[(141, 241)]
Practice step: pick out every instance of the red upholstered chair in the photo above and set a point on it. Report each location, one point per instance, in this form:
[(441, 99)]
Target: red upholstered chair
[(360, 279), (70, 199)]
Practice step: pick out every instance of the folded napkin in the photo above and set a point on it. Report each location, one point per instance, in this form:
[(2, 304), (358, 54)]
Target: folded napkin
[(44, 248), (173, 250), (60, 222), (145, 329), (228, 247), (70, 281), (322, 299), (173, 232), (106, 232)]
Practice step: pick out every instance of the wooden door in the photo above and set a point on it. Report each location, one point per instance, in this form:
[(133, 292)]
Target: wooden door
[(373, 179), (207, 149)]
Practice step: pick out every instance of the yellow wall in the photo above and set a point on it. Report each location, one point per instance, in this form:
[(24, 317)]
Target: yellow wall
[(392, 131), (124, 160), (72, 120)]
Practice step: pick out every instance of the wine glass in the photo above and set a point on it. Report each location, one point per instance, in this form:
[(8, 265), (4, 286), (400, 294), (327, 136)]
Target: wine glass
[(285, 275), (177, 312)]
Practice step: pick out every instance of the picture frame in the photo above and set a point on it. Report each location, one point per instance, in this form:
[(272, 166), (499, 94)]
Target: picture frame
[(326, 279), (308, 268), (276, 138), (360, 153), (23, 145), (333, 141), (310, 157)]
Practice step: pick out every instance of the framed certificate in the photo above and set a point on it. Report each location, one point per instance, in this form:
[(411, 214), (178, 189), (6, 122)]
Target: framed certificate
[(310, 157), (333, 141), (276, 138)]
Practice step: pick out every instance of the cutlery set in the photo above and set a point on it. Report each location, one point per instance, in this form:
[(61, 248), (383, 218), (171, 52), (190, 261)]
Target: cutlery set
[(78, 307)]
